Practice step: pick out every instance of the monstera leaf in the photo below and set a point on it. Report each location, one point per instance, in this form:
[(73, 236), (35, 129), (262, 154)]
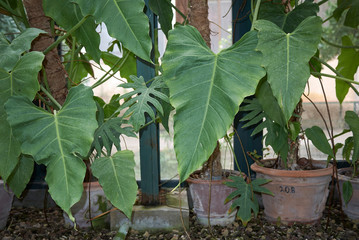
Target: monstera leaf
[(163, 9), (206, 90), (286, 57), (57, 140), (11, 52), (116, 175), (140, 103), (274, 11), (243, 197), (67, 14), (348, 62), (20, 81), (125, 21)]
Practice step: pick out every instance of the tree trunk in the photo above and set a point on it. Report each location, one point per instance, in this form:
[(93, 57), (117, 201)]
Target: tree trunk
[(55, 72), (198, 17)]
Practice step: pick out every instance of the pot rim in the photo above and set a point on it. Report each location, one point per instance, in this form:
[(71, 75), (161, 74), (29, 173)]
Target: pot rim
[(346, 178), (325, 171), (191, 180)]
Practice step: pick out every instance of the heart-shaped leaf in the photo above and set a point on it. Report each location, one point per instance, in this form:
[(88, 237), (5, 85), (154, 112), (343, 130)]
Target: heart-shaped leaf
[(206, 90), (11, 52), (125, 21), (57, 140), (20, 81), (286, 57), (116, 175)]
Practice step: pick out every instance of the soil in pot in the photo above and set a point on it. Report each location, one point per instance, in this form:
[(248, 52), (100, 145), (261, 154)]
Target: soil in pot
[(299, 196), (99, 204), (6, 197), (208, 199), (352, 208)]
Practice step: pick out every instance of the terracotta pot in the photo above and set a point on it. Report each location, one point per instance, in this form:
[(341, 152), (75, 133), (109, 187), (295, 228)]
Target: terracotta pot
[(6, 197), (352, 208), (299, 196), (99, 204), (200, 193)]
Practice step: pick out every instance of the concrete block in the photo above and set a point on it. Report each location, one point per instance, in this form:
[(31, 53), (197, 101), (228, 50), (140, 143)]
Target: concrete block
[(155, 218)]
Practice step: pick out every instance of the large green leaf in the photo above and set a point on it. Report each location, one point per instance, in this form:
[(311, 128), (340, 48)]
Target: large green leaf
[(20, 81), (319, 140), (206, 90), (274, 11), (142, 96), (57, 140), (67, 14), (163, 9), (352, 15), (348, 62), (243, 197), (286, 57), (125, 21), (116, 175), (11, 52), (21, 175), (352, 119)]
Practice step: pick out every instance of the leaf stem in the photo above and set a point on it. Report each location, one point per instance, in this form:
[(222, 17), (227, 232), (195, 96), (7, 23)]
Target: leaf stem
[(255, 16), (336, 77), (322, 2), (50, 97), (337, 45), (178, 11), (72, 57), (336, 72), (59, 40)]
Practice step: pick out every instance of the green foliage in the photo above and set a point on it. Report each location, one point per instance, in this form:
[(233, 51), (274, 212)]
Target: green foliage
[(20, 80), (125, 21), (117, 177), (206, 90), (57, 140), (144, 100), (163, 9), (288, 75), (352, 119), (347, 191), (351, 16), (21, 175), (66, 14), (244, 198), (319, 140), (348, 62)]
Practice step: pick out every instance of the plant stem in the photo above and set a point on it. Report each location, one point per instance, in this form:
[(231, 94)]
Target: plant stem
[(103, 78), (50, 97), (178, 11), (337, 45), (72, 57), (336, 72), (255, 16), (336, 77), (328, 18), (59, 40)]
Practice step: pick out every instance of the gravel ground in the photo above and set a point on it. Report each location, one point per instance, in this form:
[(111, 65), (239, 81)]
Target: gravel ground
[(31, 223)]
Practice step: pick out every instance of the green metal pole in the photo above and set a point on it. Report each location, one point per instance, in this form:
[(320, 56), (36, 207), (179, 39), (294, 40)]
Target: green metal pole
[(149, 136)]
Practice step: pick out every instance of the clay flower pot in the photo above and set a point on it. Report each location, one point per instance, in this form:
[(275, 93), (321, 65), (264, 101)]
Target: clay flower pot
[(6, 197), (200, 193), (299, 196), (99, 204), (352, 208)]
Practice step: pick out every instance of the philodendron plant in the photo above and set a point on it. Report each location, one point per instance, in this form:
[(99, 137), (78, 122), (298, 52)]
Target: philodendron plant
[(289, 36), (83, 127)]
